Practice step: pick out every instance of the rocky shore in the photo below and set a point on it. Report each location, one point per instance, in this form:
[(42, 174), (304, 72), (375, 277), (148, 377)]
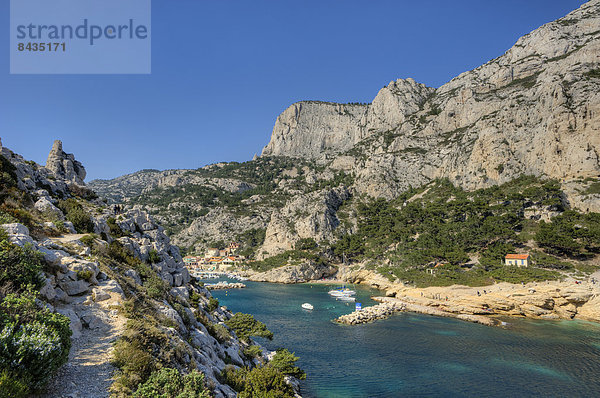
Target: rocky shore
[(224, 285), (389, 306), (568, 299), (370, 314)]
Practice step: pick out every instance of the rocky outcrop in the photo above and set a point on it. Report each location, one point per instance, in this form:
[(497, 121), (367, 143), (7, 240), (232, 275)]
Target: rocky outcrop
[(544, 300), (313, 129), (311, 216), (370, 314), (120, 189), (64, 166)]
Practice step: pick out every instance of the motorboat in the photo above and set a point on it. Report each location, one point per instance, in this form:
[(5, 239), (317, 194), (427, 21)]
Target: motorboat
[(346, 298), (307, 306), (341, 291)]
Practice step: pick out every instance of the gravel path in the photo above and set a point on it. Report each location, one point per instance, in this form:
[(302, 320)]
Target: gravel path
[(88, 374)]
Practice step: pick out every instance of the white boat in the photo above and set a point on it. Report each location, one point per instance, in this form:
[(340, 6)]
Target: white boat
[(307, 306), (342, 291), (346, 298)]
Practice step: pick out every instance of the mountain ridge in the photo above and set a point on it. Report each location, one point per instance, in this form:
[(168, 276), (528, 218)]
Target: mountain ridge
[(534, 110)]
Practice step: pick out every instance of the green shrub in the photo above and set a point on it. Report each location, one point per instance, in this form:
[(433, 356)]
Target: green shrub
[(87, 240), (85, 274), (265, 382), (8, 173), (285, 362), (245, 326), (6, 218), (12, 386), (218, 331), (75, 213), (195, 298), (20, 266), (213, 304), (82, 192), (141, 350), (306, 244), (514, 274), (153, 257), (253, 351), (115, 230), (156, 287), (34, 342), (118, 252), (60, 225), (170, 383)]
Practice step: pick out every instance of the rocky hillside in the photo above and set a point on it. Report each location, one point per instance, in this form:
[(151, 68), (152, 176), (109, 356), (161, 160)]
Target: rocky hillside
[(113, 277), (532, 111)]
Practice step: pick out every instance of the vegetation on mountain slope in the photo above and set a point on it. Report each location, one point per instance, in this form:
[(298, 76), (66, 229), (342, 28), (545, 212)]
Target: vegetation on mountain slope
[(467, 234)]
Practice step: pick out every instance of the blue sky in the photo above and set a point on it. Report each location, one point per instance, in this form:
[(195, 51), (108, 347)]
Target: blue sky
[(223, 70)]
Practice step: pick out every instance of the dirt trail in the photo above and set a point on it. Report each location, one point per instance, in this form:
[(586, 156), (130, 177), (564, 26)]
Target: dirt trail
[(88, 373)]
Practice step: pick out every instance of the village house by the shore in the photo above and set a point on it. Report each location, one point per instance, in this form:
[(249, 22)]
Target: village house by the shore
[(215, 259)]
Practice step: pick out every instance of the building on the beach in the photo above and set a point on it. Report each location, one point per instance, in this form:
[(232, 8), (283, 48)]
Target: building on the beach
[(520, 260)]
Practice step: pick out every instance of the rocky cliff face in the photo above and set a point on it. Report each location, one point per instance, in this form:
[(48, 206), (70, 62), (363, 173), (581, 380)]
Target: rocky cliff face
[(316, 129), (534, 110)]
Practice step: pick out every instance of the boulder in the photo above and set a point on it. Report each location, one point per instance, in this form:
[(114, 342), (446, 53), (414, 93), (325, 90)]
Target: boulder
[(43, 205), (177, 279), (15, 229), (70, 227), (92, 321), (100, 295), (49, 255), (173, 315), (61, 295), (133, 274), (112, 286), (47, 291), (167, 278), (180, 292), (74, 288), (75, 324)]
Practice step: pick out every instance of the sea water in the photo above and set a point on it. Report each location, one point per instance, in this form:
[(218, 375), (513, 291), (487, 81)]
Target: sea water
[(413, 355)]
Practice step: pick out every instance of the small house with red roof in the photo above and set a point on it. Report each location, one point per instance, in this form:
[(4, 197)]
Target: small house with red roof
[(520, 260)]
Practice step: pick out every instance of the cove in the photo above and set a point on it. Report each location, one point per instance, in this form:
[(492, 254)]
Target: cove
[(411, 355)]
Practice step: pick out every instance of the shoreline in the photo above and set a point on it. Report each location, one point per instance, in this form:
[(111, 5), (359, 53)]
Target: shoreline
[(548, 300)]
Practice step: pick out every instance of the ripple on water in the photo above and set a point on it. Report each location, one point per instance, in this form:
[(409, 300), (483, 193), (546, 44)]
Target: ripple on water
[(419, 355), (532, 367)]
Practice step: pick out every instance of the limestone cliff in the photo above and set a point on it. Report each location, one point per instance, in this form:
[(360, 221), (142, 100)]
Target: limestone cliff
[(535, 110)]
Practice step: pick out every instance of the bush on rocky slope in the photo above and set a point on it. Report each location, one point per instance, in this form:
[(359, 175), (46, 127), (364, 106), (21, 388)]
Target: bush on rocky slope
[(245, 326), (34, 342), (171, 383)]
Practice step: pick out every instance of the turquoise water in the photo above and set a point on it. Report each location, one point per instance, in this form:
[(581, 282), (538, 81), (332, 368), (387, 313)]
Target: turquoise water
[(411, 355)]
